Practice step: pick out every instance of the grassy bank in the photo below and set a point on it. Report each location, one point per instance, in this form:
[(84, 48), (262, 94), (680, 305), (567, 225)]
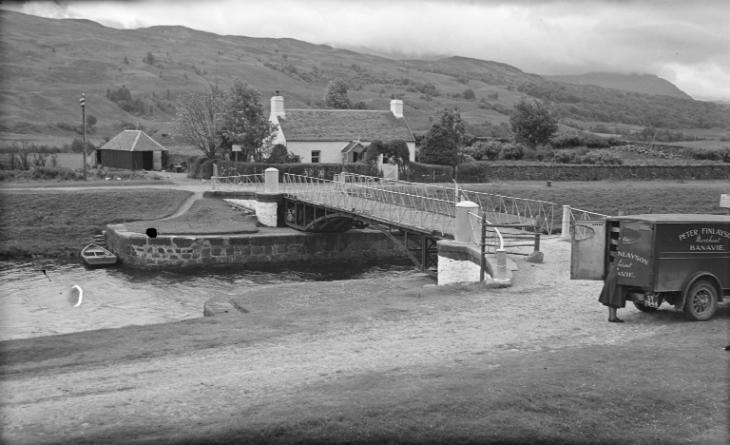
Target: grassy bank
[(207, 216), (610, 197), (59, 223)]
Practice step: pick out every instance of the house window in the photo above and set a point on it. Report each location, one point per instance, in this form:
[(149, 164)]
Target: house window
[(315, 156)]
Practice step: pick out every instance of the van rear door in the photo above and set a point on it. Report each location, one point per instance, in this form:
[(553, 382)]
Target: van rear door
[(587, 250)]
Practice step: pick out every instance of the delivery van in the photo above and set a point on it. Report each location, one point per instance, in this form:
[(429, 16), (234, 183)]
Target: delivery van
[(680, 259)]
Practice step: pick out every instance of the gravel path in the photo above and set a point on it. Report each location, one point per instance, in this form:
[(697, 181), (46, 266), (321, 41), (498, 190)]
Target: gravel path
[(323, 333)]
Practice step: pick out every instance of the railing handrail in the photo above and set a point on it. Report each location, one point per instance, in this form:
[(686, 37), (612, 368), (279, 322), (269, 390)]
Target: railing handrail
[(485, 220), (588, 212)]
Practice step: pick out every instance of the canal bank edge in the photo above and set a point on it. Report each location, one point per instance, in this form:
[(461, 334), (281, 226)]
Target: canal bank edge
[(275, 247)]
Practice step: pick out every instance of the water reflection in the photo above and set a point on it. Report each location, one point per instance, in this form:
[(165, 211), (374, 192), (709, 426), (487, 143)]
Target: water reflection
[(35, 304)]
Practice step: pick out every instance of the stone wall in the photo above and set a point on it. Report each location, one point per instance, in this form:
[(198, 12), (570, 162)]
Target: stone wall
[(279, 247)]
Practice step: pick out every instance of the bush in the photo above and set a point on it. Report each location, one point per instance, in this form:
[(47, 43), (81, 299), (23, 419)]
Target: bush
[(513, 152), (319, 170), (194, 163), (62, 173), (419, 172), (205, 170)]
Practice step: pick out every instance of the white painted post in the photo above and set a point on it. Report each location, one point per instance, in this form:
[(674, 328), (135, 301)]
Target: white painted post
[(725, 202), (501, 269), (565, 230), (463, 229), (271, 180)]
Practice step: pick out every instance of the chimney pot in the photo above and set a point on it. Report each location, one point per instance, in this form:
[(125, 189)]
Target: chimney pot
[(396, 107)]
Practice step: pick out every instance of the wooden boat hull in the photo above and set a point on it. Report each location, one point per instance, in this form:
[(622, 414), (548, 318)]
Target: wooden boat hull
[(95, 256)]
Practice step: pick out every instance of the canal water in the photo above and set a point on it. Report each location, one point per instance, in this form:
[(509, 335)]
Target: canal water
[(34, 303)]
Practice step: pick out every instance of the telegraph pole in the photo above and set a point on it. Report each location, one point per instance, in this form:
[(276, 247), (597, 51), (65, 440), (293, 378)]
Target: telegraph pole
[(82, 102)]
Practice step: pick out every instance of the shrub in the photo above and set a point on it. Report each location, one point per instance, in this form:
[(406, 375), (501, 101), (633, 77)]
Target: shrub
[(206, 169), (419, 172), (511, 152), (61, 173), (194, 163)]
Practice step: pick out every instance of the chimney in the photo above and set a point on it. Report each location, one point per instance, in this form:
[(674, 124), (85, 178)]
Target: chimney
[(396, 107), (277, 108)]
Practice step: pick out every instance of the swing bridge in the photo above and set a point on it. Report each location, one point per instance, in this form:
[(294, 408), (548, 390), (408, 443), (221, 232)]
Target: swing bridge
[(414, 215)]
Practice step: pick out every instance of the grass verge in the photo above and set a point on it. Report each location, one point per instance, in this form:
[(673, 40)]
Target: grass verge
[(206, 216)]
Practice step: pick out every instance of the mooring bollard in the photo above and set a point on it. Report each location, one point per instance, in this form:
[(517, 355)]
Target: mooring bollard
[(565, 229)]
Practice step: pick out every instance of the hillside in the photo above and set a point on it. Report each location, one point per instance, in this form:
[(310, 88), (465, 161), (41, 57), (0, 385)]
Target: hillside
[(47, 64), (637, 83)]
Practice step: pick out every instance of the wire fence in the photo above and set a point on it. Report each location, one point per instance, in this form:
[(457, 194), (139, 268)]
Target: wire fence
[(253, 182)]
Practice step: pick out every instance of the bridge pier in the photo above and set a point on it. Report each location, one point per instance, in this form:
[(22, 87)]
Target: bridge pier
[(269, 201)]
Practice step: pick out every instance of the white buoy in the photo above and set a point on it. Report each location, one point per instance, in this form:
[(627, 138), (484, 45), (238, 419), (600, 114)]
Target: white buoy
[(80, 296)]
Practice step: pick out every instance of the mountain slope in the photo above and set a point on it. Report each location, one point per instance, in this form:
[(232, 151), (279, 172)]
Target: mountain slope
[(638, 83), (46, 64)]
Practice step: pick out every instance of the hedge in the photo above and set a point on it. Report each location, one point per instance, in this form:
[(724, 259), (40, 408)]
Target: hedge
[(488, 171), (319, 170)]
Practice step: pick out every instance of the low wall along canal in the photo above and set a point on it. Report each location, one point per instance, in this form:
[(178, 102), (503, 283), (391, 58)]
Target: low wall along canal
[(275, 247)]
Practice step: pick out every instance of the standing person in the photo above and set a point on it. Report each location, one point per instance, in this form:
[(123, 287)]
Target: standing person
[(612, 295)]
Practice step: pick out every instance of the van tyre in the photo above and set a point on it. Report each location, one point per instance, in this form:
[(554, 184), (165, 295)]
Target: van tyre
[(701, 302), (644, 308)]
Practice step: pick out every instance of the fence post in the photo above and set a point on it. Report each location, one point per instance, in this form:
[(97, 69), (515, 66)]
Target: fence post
[(212, 182), (565, 230), (482, 258)]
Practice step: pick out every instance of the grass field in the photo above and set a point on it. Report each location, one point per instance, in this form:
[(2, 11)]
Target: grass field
[(57, 223), (611, 197)]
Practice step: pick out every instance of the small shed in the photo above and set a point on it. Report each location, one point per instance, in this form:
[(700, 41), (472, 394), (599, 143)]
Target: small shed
[(132, 150)]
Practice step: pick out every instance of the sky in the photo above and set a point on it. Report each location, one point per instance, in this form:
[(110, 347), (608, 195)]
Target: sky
[(686, 42)]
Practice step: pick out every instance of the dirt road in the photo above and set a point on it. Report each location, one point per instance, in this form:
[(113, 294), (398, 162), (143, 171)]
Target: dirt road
[(382, 360)]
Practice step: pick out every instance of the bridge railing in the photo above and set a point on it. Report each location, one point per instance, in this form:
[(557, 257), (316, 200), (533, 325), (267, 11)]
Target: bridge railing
[(374, 199), (250, 182), (500, 209), (571, 215)]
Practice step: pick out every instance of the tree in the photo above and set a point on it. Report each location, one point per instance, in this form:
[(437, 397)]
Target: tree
[(245, 123), (533, 123), (214, 121), (442, 142), (336, 96), (199, 119)]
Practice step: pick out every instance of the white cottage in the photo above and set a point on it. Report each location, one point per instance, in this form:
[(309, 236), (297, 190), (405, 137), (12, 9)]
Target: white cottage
[(335, 136)]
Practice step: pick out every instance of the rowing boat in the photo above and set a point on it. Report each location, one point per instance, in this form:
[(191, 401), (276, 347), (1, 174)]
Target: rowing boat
[(95, 255)]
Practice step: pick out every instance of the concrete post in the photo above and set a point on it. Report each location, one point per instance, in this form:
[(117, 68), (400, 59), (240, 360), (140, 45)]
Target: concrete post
[(271, 180), (565, 230), (500, 272), (463, 228)]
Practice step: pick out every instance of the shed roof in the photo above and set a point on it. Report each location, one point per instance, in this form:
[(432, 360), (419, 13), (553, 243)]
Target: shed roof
[(132, 140), (344, 125)]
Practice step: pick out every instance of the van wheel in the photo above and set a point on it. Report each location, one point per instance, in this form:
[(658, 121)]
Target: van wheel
[(644, 308), (701, 301)]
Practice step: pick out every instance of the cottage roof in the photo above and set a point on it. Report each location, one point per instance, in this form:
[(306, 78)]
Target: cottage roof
[(344, 125), (132, 140)]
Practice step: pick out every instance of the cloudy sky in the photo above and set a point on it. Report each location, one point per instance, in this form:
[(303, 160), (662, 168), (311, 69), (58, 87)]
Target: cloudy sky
[(686, 42)]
